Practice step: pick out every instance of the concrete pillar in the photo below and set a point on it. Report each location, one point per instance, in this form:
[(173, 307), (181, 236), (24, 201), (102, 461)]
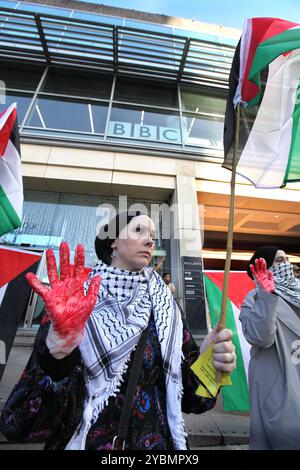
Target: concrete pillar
[(186, 239)]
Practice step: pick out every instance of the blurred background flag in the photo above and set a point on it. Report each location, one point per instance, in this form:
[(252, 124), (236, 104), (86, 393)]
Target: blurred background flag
[(235, 397), (14, 292)]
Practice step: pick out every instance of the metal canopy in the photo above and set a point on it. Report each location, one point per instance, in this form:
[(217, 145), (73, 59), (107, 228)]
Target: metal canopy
[(61, 41)]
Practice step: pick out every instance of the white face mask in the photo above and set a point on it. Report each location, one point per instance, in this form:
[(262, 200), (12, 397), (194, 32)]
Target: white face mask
[(283, 272), (286, 285)]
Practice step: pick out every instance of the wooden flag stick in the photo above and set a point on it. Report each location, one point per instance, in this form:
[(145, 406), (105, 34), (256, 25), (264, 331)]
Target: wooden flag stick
[(222, 321), (230, 224)]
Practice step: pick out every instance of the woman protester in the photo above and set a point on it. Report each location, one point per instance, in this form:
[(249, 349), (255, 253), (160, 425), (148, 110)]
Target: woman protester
[(270, 317), (111, 369)]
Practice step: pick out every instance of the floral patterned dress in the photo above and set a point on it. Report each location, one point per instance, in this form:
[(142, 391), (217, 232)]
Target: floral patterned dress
[(47, 403)]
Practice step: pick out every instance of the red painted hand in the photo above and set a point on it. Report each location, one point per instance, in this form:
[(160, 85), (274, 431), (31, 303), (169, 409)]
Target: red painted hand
[(263, 277), (67, 306)]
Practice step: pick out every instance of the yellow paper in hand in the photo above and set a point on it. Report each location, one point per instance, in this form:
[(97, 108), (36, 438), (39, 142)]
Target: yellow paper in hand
[(204, 369), (203, 392)]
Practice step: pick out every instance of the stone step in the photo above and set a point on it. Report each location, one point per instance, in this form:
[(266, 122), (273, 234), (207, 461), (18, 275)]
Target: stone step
[(14, 446), (23, 342), (202, 444), (225, 447), (25, 338), (27, 332), (211, 440)]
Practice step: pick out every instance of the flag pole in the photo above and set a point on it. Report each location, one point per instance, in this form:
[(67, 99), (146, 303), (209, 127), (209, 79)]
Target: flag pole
[(222, 320), (222, 323)]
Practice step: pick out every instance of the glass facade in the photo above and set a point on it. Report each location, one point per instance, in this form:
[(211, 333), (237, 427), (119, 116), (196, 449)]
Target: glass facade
[(136, 102), (103, 80), (50, 218), (106, 19), (145, 92), (97, 107)]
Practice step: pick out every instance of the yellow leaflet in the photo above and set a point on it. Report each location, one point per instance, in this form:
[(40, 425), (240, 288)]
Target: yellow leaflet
[(206, 372)]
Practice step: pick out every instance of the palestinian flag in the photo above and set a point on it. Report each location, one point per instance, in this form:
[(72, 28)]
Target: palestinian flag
[(235, 397), (264, 79), (14, 294), (11, 187)]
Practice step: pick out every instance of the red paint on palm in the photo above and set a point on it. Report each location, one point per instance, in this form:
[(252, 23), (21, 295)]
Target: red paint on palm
[(263, 277), (67, 306)]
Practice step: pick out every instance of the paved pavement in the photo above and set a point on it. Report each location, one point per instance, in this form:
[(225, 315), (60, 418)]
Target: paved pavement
[(215, 429)]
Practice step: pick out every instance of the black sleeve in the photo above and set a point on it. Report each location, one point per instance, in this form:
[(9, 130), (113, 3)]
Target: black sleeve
[(41, 407), (192, 403), (59, 369)]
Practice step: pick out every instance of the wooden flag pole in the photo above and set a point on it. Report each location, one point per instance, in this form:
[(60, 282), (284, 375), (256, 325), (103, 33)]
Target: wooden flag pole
[(222, 323)]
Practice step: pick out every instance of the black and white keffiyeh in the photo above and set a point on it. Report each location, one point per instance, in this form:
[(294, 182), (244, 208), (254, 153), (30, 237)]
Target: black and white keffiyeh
[(121, 313), (286, 285)]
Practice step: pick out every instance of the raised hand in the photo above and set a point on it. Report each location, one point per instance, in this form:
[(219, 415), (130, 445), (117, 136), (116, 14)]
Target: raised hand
[(263, 277), (67, 307)]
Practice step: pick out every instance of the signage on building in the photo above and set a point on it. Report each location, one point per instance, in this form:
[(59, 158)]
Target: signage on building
[(144, 132), (194, 294)]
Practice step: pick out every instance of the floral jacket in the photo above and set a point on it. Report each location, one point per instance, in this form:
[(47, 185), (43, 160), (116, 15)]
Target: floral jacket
[(46, 405)]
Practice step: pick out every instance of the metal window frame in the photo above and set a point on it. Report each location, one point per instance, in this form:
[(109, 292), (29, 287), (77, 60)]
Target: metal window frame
[(74, 97), (65, 131), (194, 153), (84, 135), (34, 98), (56, 40), (119, 50)]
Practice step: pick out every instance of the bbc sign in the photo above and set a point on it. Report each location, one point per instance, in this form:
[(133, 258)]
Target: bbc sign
[(144, 132)]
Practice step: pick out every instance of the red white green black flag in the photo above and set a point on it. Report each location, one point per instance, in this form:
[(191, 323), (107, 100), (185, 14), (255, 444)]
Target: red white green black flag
[(11, 186), (265, 80)]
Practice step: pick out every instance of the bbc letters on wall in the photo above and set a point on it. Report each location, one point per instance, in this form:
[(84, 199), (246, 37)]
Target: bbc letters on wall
[(144, 132)]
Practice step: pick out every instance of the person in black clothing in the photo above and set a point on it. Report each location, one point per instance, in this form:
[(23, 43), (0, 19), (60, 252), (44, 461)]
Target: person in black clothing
[(73, 389)]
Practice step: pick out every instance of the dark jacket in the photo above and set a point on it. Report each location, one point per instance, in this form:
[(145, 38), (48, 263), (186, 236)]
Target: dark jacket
[(46, 405)]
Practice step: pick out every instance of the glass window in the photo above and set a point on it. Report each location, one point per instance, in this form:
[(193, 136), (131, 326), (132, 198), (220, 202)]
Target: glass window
[(144, 124), (50, 218), (99, 113), (149, 50), (7, 4), (146, 92), (70, 82), (79, 37), (97, 18), (23, 101), (229, 41), (153, 27), (64, 114), (203, 131), (19, 76), (36, 8), (194, 100), (196, 35), (62, 135)]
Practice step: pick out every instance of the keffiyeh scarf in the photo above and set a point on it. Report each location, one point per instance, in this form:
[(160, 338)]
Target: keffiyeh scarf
[(121, 313), (286, 285)]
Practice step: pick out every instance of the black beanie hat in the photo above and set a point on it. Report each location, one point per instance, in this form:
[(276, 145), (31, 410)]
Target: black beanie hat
[(109, 232), (266, 252)]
